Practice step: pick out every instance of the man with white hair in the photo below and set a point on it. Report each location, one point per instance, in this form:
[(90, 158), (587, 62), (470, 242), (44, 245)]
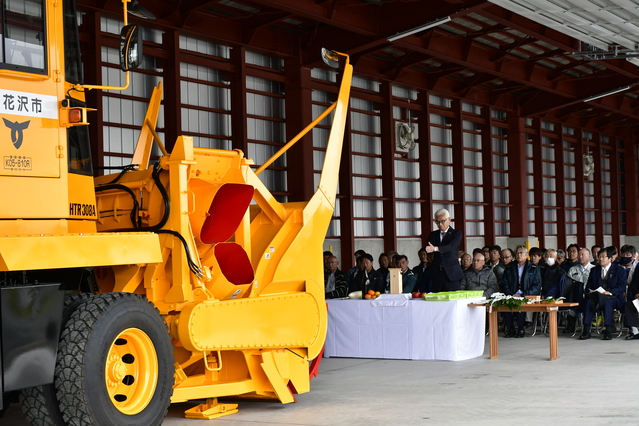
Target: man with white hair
[(445, 269), (578, 276)]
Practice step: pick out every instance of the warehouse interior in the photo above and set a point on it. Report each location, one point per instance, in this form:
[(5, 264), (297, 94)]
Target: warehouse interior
[(518, 117)]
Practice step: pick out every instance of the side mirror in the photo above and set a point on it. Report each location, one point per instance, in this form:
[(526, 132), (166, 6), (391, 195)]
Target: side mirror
[(330, 58), (130, 57)]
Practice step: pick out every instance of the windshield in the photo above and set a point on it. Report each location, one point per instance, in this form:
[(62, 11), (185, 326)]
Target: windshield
[(23, 35), (72, 59)]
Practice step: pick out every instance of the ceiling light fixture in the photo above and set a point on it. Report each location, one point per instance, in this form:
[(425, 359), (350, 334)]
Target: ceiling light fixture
[(611, 92), (419, 29)]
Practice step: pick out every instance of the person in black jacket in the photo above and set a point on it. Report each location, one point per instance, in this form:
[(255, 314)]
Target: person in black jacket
[(521, 278), (368, 278), (334, 280), (631, 317), (445, 272)]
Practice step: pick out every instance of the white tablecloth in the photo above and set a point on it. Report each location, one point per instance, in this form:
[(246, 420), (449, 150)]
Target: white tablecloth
[(419, 330)]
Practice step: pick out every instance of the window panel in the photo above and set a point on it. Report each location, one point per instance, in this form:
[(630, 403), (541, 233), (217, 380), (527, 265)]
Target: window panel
[(406, 169), (501, 196), (408, 228), (367, 165), (367, 187), (368, 208), (407, 189), (368, 228), (474, 194), (442, 173), (440, 154), (472, 158), (440, 135), (443, 192), (473, 176), (408, 210), (474, 212)]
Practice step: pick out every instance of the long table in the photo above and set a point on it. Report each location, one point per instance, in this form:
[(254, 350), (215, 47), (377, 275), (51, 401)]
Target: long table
[(550, 308), (410, 329)]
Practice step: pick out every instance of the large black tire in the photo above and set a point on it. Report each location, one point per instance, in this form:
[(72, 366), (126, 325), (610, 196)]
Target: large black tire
[(40, 404), (105, 353)]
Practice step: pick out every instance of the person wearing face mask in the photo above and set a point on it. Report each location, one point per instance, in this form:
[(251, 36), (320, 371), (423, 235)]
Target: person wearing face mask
[(552, 275), (628, 260)]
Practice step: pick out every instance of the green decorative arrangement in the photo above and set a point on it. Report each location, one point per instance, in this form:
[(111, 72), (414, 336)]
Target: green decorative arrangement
[(553, 300), (512, 303)]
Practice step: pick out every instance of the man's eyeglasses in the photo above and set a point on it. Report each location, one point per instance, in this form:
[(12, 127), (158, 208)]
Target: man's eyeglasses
[(521, 252), (439, 222)]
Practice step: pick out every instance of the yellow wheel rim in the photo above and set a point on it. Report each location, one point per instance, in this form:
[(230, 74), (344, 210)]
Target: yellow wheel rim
[(131, 371)]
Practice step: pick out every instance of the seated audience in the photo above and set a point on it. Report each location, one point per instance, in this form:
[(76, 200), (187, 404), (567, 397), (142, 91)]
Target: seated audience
[(384, 262), (424, 282), (605, 291), (368, 278), (327, 254), (392, 259), (486, 252), (466, 261), (628, 260), (572, 257), (561, 256), (423, 263), (631, 317), (354, 269), (594, 253), (409, 280), (574, 293), (493, 259), (479, 277), (334, 280), (552, 275), (507, 256), (521, 278)]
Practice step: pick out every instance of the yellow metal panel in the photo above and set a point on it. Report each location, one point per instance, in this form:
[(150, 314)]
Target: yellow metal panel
[(283, 321), (24, 252), (144, 145), (297, 372), (198, 388), (81, 197), (278, 383), (33, 198)]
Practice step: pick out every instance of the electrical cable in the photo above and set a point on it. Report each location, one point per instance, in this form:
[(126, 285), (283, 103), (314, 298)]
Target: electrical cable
[(192, 266), (136, 206)]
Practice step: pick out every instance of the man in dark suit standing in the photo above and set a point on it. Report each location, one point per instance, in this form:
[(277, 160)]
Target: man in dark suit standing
[(605, 290), (445, 272)]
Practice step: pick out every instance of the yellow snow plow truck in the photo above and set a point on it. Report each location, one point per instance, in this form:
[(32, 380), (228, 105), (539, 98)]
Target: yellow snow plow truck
[(171, 280)]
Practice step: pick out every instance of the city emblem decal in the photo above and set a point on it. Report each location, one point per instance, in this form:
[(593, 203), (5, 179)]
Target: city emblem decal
[(16, 131)]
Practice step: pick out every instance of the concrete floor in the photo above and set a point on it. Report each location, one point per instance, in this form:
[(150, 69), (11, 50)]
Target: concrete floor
[(593, 383)]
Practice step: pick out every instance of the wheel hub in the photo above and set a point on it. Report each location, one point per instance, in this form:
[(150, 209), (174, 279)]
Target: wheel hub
[(131, 371)]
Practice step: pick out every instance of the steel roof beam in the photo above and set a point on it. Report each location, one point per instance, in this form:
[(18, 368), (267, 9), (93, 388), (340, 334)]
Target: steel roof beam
[(395, 18), (548, 35)]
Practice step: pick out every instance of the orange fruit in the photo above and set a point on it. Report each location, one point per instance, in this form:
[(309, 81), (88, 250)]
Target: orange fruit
[(371, 292), (368, 296)]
